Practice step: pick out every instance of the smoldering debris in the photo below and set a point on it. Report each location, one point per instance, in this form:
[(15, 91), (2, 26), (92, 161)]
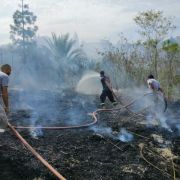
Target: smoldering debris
[(36, 132), (125, 136), (134, 169), (47, 108), (107, 131), (84, 153)]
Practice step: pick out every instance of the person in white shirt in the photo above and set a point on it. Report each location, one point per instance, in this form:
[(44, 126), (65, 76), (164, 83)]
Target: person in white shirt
[(4, 106), (153, 84), (155, 87)]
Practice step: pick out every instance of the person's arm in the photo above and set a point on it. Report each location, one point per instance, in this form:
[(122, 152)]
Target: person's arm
[(5, 81), (109, 85), (151, 86), (5, 98)]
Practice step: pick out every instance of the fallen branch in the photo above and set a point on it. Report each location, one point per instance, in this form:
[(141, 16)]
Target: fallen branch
[(138, 135), (113, 144), (141, 146), (174, 172)]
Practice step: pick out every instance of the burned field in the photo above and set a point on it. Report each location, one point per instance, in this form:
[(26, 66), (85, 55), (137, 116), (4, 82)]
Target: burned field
[(96, 152)]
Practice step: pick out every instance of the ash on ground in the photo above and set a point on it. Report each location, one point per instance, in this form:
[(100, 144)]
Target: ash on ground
[(85, 154)]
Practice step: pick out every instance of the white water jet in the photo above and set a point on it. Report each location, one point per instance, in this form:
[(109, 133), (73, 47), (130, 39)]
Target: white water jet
[(90, 84)]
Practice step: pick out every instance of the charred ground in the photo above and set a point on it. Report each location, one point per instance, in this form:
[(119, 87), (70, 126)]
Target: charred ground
[(84, 154)]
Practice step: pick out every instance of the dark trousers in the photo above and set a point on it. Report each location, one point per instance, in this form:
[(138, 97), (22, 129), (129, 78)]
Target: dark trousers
[(106, 93)]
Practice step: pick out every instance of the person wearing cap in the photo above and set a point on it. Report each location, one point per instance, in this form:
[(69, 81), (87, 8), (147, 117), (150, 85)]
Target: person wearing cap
[(4, 106), (107, 89)]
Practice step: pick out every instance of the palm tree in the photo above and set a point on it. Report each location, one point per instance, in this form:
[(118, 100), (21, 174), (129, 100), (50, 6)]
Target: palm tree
[(68, 55), (63, 47)]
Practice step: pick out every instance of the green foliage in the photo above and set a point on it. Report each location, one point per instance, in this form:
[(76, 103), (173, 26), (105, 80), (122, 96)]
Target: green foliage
[(63, 47), (153, 28), (23, 29), (69, 56), (169, 46), (151, 43), (177, 79), (153, 25), (130, 63)]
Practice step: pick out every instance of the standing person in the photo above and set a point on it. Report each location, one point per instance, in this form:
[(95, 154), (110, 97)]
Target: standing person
[(107, 90), (4, 106)]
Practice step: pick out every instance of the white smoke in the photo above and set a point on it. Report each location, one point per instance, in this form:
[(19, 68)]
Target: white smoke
[(36, 132), (102, 130), (125, 136)]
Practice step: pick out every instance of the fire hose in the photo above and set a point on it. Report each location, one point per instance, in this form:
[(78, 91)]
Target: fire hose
[(40, 158), (83, 125)]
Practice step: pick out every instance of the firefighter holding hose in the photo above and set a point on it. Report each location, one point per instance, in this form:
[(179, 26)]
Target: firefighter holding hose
[(4, 106), (107, 90), (154, 86)]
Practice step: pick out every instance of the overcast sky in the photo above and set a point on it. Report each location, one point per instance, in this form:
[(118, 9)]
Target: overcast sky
[(92, 20)]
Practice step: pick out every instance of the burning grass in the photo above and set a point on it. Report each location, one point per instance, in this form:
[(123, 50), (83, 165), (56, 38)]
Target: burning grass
[(93, 153)]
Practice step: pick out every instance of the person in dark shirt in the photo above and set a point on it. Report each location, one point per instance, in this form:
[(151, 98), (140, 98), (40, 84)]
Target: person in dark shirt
[(107, 90)]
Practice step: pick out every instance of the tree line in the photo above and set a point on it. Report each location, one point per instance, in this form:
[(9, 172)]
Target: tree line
[(126, 61)]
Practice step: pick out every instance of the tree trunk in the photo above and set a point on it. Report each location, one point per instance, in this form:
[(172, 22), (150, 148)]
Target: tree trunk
[(156, 63), (24, 55)]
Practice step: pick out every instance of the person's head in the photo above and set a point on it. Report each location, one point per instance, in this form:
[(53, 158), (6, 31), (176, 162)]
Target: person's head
[(102, 73), (6, 68), (150, 76)]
